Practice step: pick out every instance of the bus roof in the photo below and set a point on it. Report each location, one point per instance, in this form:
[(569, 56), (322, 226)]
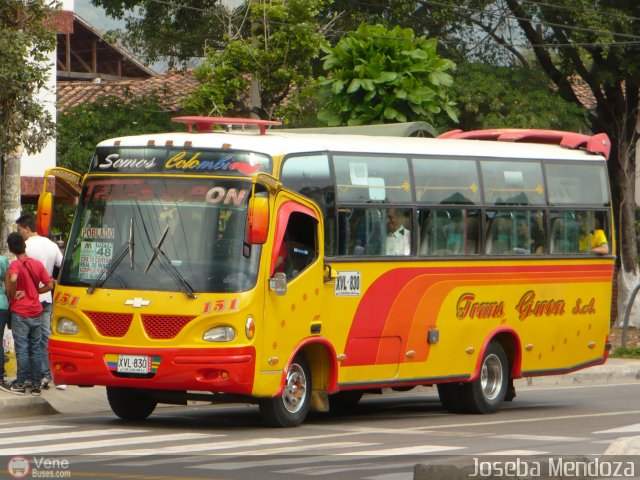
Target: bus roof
[(278, 143)]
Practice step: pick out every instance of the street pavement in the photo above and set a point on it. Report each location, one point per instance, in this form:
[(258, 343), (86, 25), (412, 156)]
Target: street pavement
[(78, 401), (86, 400)]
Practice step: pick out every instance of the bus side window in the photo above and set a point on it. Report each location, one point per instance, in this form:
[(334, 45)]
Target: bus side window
[(398, 240), (448, 232), (368, 233), (565, 233), (499, 233), (471, 231), (299, 245), (310, 176)]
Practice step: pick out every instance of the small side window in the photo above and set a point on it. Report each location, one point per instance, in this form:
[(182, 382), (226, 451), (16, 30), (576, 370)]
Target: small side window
[(298, 249)]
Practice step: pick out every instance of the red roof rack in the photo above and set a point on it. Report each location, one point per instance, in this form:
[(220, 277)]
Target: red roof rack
[(598, 143), (205, 124)]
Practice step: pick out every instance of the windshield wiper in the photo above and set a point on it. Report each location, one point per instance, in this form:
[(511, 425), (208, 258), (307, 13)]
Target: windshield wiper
[(131, 243), (169, 266), (108, 269), (156, 249)]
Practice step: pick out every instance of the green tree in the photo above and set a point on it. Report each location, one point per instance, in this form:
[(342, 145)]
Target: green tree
[(81, 128), (508, 97), (25, 42), (377, 75), (170, 31), (264, 71), (576, 42)]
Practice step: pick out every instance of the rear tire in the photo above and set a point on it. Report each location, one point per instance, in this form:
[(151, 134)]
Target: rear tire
[(451, 396), (130, 403), (290, 408), (487, 393)]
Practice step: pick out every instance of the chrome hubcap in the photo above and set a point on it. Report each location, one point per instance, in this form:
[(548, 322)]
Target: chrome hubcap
[(295, 389), (491, 377)]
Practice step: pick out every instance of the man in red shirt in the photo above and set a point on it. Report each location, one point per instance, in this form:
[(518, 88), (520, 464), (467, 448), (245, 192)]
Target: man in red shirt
[(22, 283)]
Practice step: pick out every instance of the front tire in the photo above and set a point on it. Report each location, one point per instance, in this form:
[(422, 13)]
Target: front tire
[(130, 403), (290, 408), (344, 402)]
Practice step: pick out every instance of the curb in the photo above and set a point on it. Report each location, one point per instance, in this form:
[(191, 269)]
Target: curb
[(624, 446), (602, 373), (25, 406)]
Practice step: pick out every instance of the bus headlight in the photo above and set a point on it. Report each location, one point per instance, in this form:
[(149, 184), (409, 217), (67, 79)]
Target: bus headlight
[(66, 326), (249, 328), (222, 333)]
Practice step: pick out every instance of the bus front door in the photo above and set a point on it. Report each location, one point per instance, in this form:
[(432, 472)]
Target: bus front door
[(293, 317)]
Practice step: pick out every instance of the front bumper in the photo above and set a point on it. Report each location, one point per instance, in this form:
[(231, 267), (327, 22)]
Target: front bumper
[(225, 370)]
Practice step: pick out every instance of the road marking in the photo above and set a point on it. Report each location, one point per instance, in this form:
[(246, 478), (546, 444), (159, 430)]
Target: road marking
[(540, 438), (31, 428), (394, 476), (244, 454), (359, 455), (514, 453), (64, 435), (281, 462), (213, 448), (302, 448), (524, 420), (413, 450), (72, 447), (353, 467), (626, 429)]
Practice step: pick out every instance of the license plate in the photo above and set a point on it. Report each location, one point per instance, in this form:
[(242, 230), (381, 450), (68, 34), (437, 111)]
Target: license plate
[(134, 364)]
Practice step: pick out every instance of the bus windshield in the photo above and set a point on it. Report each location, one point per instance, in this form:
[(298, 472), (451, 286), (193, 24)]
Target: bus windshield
[(165, 234)]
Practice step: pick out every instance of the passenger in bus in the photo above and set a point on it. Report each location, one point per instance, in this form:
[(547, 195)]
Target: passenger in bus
[(398, 237), (454, 235), (537, 234), (524, 242), (591, 240), (499, 234)]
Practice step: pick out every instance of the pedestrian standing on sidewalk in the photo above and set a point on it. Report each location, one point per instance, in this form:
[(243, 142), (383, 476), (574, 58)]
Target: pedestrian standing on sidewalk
[(4, 312), (22, 285), (48, 252)]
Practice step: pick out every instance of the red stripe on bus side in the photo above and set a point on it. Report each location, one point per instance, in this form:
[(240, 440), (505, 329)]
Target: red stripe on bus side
[(388, 307)]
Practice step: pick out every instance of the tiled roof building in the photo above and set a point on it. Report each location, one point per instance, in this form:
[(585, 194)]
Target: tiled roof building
[(172, 88)]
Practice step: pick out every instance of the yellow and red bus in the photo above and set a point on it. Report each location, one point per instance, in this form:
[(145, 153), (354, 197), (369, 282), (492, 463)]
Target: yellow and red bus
[(299, 271)]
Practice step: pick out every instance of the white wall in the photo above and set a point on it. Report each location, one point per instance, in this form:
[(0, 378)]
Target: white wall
[(36, 164)]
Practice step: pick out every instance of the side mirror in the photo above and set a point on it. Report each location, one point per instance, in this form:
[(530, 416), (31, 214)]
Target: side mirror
[(278, 283), (258, 220), (43, 216)]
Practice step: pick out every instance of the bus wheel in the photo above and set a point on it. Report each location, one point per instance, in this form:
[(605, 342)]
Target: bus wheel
[(291, 408), (344, 402), (451, 396), (130, 403), (487, 393)]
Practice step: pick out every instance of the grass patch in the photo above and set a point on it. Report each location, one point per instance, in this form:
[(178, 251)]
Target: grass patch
[(633, 352)]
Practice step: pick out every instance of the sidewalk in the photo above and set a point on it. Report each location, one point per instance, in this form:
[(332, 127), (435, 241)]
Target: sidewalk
[(73, 400), (77, 400)]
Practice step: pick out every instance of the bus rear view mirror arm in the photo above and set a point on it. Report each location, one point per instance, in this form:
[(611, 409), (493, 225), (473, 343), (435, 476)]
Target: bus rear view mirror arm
[(329, 273)]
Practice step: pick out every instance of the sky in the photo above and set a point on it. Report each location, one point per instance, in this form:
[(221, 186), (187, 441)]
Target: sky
[(101, 22), (96, 16)]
